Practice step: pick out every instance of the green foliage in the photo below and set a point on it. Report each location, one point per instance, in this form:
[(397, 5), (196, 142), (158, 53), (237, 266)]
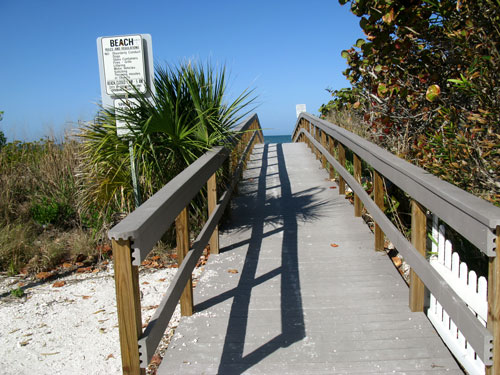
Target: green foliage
[(187, 116), (343, 99), (49, 211), (18, 292), (45, 212), (426, 78)]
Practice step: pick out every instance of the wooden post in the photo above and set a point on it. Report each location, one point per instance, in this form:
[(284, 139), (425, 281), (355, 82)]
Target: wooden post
[(128, 303), (341, 152), (323, 143), (419, 240), (317, 137), (308, 129), (182, 236), (494, 306), (212, 202), (331, 150), (358, 205), (378, 197)]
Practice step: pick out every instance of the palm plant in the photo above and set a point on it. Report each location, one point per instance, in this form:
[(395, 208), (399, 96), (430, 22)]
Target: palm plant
[(187, 115)]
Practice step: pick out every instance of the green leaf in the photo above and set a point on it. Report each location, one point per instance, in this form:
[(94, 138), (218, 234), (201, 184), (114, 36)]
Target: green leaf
[(360, 42), (344, 54), (382, 89), (364, 24)]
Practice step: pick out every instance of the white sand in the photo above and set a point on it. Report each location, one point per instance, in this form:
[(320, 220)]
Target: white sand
[(72, 329)]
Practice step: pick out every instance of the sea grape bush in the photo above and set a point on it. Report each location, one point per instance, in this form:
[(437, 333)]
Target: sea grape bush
[(426, 80)]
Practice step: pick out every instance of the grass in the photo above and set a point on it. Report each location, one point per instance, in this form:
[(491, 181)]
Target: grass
[(40, 221)]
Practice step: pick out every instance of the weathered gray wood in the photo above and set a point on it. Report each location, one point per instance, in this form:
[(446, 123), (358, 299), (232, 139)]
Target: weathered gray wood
[(471, 216), (476, 334), (279, 313)]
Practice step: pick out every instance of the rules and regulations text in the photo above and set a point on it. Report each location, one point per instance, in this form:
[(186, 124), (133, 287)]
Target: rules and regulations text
[(123, 58)]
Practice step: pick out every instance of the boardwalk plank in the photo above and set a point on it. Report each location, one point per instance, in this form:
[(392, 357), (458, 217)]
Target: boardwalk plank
[(295, 304)]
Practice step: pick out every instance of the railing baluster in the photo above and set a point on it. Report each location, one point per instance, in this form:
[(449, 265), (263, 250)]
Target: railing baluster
[(182, 237), (419, 240), (358, 205), (378, 197), (128, 303)]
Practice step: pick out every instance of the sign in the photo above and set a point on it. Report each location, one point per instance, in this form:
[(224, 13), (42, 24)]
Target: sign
[(122, 129), (299, 108), (123, 61)]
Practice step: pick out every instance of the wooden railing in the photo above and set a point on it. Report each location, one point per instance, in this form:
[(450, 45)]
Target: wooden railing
[(134, 237), (475, 219)]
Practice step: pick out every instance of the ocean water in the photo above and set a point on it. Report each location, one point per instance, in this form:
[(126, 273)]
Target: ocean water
[(277, 138)]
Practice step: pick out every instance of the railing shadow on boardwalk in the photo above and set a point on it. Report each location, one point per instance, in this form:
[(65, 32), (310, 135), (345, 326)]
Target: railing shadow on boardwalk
[(286, 211)]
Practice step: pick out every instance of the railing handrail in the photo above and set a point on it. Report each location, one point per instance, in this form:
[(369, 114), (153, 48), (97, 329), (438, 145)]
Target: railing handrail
[(145, 226), (473, 217)]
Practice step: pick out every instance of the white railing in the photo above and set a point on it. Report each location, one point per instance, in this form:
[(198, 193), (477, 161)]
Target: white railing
[(469, 287)]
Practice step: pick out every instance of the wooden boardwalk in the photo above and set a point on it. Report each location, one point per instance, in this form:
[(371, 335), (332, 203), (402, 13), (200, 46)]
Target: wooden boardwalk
[(280, 299)]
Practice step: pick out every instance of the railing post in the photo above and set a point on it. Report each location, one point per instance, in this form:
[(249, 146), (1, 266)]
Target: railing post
[(341, 153), (419, 240), (494, 306), (306, 128), (182, 237), (378, 197), (212, 202), (318, 154), (331, 150), (323, 143), (315, 134), (310, 133), (358, 205), (128, 303)]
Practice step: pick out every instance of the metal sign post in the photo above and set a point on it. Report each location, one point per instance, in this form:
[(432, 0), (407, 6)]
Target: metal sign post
[(125, 62)]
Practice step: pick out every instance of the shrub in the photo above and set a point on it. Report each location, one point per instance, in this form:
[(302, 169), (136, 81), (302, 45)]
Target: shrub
[(426, 80)]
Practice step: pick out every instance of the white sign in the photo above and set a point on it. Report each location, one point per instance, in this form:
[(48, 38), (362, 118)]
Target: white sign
[(299, 108), (123, 58), (122, 129)]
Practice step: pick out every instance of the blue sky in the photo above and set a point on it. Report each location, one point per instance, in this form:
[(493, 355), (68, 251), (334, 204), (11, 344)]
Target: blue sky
[(289, 51)]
